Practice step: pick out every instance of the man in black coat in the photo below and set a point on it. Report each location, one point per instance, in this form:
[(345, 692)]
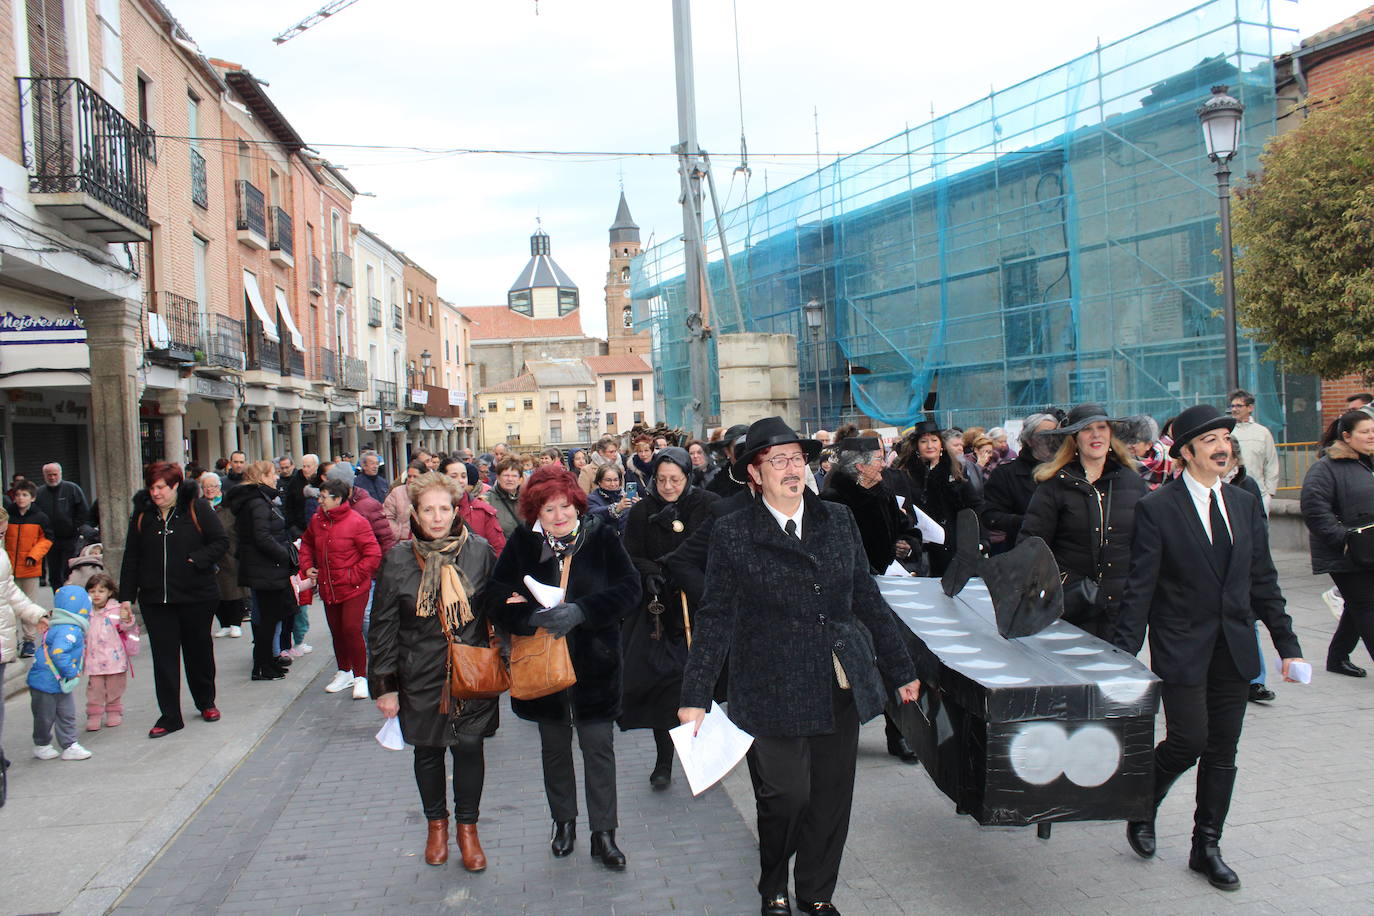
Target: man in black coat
[(790, 600), (64, 503), (1200, 575)]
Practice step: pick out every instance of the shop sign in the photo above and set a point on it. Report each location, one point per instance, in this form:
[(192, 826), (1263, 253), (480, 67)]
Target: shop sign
[(372, 419), (212, 388)]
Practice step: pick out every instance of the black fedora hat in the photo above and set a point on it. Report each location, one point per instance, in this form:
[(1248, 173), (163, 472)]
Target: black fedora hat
[(728, 439), (1081, 416), (1195, 421), (767, 433), (859, 444), (924, 428)]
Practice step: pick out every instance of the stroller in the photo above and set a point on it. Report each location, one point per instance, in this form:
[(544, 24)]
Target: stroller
[(85, 565)]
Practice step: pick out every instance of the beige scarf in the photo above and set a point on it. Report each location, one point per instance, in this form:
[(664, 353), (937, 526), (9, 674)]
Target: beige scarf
[(441, 582)]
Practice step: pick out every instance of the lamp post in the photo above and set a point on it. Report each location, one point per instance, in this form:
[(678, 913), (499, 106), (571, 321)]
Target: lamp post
[(815, 317), (1221, 118)]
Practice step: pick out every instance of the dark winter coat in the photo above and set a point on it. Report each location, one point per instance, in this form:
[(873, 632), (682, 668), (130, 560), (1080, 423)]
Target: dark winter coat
[(1337, 495), (294, 503), (227, 573), (375, 486), (604, 584), (1007, 494), (778, 607), (941, 492), (602, 503), (875, 511), (408, 655), (261, 529), (65, 506), (372, 513), (1066, 512), (480, 517), (688, 562), (172, 561), (507, 508), (653, 667), (340, 544)]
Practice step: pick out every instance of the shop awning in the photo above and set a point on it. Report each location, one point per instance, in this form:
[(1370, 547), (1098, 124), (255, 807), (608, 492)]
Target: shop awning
[(284, 308), (269, 324)]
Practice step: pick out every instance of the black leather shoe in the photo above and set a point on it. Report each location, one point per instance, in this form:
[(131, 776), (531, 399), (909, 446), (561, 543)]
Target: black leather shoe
[(1206, 860), (901, 750), (268, 674), (604, 848), (661, 777), (819, 907), (1141, 836), (1347, 668), (564, 837), (1261, 694), (777, 905)]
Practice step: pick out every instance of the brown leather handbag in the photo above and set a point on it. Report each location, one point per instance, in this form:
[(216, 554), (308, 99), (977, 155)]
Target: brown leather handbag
[(540, 664), (477, 672)]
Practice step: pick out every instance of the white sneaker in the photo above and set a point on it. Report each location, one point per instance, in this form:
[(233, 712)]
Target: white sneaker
[(75, 751), (305, 648), (360, 689), (342, 681), (221, 633), (46, 752), (1334, 601), (235, 632)]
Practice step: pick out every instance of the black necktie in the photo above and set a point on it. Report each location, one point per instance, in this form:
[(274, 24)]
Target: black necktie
[(1221, 538), (791, 528)]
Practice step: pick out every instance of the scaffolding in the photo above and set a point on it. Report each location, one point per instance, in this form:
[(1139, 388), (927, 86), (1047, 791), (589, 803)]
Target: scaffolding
[(1052, 243)]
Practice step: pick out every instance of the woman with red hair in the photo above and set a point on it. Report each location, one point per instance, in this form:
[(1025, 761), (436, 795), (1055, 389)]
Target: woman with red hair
[(173, 543), (559, 538)]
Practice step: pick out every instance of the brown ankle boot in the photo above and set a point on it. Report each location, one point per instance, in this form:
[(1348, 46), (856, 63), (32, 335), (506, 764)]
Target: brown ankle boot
[(436, 844), (474, 859)]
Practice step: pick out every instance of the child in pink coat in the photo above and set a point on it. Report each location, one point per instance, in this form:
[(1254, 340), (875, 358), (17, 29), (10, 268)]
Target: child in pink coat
[(109, 640)]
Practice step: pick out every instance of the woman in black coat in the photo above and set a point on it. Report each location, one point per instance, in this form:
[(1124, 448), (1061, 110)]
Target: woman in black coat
[(1011, 484), (654, 636), (603, 587), (173, 543), (265, 564), (1084, 509), (936, 484), (1338, 495), (407, 665)]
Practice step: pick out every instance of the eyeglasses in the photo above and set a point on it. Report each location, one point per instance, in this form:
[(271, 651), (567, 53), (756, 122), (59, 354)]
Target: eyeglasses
[(781, 462), (1238, 405)]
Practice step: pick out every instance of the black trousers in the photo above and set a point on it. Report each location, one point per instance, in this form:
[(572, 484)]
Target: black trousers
[(55, 562), (597, 740), (1203, 721), (275, 605), (177, 633), (469, 773), (230, 612), (1357, 620), (803, 790)]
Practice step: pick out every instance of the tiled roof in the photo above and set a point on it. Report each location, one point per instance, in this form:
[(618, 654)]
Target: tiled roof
[(524, 382), (562, 373), (541, 272), (1361, 19), (618, 364), (497, 322)]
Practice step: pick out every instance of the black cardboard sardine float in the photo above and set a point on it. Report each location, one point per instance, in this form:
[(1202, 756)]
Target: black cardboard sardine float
[(1029, 720)]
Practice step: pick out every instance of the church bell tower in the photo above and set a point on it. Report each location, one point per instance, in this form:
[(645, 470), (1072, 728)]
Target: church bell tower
[(621, 336)]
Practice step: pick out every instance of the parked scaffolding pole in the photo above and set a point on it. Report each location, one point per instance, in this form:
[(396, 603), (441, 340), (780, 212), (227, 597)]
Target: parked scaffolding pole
[(689, 165)]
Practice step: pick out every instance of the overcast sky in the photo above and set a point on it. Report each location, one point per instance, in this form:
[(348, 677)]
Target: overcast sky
[(597, 76)]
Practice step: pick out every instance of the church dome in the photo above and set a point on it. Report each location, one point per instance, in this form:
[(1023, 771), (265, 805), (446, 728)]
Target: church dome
[(542, 290)]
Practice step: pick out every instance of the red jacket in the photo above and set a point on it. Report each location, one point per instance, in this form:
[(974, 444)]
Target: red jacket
[(370, 509), (340, 544), (480, 516)]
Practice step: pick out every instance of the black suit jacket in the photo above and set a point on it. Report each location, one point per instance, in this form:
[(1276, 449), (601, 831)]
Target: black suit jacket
[(1176, 589), (778, 607)]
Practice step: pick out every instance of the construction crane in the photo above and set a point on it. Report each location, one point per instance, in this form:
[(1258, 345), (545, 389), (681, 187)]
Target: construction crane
[(315, 18)]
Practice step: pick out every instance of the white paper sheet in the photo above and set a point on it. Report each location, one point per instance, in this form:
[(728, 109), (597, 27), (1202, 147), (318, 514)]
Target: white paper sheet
[(897, 570), (901, 503), (715, 750), (930, 529), (1298, 671), (547, 595), (389, 735)]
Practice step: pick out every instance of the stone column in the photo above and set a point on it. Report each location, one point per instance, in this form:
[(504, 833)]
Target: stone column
[(398, 445), (322, 436), (113, 333), (294, 417), (265, 434), (172, 405), (228, 427), (351, 433)]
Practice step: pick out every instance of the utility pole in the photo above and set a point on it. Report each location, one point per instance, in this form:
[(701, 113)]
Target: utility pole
[(694, 274)]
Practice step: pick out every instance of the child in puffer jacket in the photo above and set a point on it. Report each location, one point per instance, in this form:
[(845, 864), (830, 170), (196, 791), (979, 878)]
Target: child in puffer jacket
[(112, 638), (55, 674)]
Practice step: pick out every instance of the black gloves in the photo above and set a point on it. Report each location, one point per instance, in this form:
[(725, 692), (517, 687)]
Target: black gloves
[(559, 619)]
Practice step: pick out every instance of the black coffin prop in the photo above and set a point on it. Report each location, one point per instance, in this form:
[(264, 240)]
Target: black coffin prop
[(1056, 726)]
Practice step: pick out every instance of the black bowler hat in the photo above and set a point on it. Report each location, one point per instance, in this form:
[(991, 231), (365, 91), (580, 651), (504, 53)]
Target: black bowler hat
[(924, 428), (1195, 421), (767, 433), (859, 444), (731, 434), (1081, 416)]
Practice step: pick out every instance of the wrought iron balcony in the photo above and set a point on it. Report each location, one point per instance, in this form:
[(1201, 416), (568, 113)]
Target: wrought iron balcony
[(263, 353), (250, 214), (224, 343), (398, 321), (174, 333), (326, 365), (294, 363), (374, 312), (88, 164), (148, 142), (282, 243), (200, 189), (316, 276), (343, 269), (384, 394), (352, 373)]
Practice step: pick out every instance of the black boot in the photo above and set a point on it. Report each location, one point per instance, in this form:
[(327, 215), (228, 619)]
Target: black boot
[(896, 744), (662, 773), (604, 848), (1141, 834), (1214, 786), (564, 836)]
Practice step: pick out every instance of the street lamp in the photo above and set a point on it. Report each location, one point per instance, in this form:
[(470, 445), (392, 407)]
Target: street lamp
[(815, 317), (1221, 117)]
